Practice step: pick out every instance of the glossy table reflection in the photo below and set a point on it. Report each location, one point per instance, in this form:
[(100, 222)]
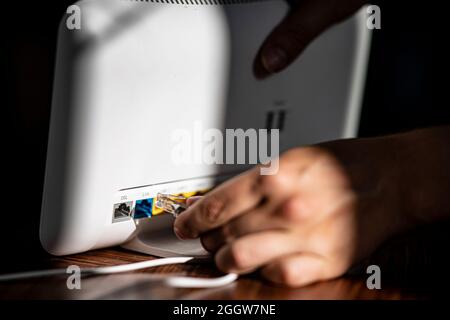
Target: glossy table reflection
[(413, 267), (145, 285)]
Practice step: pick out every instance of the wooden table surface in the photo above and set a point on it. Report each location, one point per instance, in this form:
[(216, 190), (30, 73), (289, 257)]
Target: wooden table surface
[(144, 284), (413, 267)]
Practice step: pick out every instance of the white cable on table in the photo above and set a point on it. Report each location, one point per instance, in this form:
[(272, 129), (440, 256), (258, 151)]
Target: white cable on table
[(190, 282), (174, 281)]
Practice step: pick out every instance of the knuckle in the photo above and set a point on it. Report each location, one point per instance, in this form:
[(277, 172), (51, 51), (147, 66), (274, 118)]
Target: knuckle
[(211, 209)]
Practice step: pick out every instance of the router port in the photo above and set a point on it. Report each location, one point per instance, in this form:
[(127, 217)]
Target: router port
[(122, 211), (143, 208)]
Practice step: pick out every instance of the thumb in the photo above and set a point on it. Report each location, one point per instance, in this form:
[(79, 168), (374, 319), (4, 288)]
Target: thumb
[(301, 26)]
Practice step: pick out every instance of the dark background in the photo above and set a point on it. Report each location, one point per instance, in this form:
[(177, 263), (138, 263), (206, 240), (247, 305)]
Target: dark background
[(399, 96)]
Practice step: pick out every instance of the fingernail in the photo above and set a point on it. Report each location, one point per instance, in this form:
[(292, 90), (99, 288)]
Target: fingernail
[(274, 59)]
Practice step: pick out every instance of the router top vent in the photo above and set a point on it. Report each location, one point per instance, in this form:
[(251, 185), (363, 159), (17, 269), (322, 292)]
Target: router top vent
[(201, 2)]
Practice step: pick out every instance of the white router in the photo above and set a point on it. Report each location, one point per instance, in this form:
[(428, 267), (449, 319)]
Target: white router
[(138, 70)]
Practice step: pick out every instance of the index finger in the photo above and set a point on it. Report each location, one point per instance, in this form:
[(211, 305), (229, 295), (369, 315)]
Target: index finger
[(227, 201)]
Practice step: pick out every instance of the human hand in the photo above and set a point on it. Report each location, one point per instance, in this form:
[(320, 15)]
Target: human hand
[(328, 207), (305, 22)]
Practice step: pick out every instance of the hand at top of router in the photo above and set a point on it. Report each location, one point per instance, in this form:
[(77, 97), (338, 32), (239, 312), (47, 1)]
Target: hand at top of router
[(307, 20)]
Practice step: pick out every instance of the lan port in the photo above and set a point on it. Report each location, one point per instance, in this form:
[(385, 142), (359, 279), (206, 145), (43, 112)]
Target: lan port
[(122, 210)]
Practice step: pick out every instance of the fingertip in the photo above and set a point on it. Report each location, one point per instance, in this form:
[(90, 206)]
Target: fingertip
[(269, 273), (179, 233), (281, 275), (221, 259), (259, 71), (274, 59), (181, 228), (294, 271)]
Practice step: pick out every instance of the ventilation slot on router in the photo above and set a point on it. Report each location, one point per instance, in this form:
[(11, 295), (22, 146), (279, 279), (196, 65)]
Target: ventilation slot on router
[(200, 2)]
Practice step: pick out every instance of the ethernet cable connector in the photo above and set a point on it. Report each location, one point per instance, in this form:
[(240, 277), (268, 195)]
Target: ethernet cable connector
[(174, 204)]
